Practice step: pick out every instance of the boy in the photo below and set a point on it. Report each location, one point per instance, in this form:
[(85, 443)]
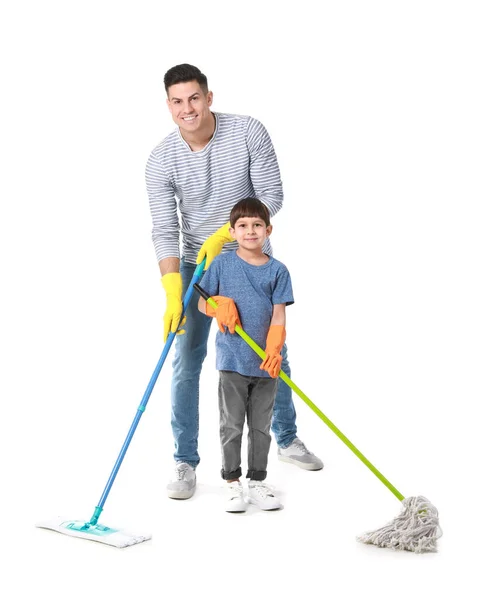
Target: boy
[(251, 288)]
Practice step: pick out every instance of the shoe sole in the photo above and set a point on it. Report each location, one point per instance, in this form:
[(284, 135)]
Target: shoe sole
[(254, 502), (181, 495), (301, 465), (236, 510)]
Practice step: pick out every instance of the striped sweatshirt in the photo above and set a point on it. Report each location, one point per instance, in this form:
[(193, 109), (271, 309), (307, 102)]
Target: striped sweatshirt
[(192, 193)]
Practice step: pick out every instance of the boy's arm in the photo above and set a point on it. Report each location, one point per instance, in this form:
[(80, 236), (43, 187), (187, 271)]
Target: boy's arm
[(279, 315), (226, 312), (275, 340), (201, 305)]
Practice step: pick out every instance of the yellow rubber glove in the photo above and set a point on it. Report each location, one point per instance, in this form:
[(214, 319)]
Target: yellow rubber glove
[(214, 244), (275, 339), (172, 284)]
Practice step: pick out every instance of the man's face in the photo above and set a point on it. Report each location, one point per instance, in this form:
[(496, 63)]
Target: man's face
[(250, 232), (189, 106)]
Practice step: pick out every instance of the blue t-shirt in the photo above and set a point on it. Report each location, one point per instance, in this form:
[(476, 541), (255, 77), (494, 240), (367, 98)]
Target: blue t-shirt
[(255, 290)]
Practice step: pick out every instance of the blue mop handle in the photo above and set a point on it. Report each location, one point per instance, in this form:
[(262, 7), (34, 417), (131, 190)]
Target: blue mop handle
[(143, 404)]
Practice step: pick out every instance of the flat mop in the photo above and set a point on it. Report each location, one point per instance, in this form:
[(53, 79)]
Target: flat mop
[(92, 530), (417, 527)]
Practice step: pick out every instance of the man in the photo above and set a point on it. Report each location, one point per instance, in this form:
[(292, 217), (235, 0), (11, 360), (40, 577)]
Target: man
[(200, 171)]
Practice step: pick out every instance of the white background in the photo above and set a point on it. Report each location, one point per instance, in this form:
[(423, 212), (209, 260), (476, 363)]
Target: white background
[(387, 121)]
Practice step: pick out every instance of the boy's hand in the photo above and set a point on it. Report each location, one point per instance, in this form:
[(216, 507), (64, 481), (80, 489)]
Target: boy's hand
[(226, 313), (275, 339)]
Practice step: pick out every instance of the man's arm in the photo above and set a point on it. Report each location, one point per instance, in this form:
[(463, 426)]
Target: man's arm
[(264, 168), (169, 265), (165, 235), (163, 210)]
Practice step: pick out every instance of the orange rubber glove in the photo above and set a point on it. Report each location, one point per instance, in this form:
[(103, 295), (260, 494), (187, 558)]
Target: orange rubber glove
[(226, 313), (275, 339), (172, 284), (214, 244)]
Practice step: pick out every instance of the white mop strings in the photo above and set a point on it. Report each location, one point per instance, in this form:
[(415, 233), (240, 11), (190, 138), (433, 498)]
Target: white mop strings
[(416, 528)]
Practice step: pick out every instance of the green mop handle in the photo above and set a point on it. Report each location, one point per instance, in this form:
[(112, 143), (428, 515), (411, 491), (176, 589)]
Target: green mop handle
[(311, 404)]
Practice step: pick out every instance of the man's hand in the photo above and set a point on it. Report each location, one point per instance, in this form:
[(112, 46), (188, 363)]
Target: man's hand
[(214, 244), (226, 313), (172, 284), (275, 339)]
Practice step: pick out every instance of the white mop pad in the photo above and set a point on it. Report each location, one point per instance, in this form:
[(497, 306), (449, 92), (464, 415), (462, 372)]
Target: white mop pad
[(98, 533), (415, 529)]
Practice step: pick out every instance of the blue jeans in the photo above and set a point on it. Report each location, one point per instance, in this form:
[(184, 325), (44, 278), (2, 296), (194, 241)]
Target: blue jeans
[(190, 352)]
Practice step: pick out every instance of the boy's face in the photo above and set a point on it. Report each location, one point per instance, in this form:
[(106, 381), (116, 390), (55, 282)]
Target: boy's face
[(189, 106), (250, 232)]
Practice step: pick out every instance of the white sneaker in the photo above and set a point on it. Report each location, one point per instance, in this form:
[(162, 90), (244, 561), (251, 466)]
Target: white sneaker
[(297, 454), (183, 484), (235, 501), (261, 495)]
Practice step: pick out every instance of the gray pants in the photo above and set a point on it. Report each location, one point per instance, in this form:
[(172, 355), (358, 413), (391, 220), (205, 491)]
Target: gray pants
[(251, 397)]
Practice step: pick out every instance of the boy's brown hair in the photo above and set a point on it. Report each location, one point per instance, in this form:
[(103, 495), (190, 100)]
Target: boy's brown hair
[(250, 207)]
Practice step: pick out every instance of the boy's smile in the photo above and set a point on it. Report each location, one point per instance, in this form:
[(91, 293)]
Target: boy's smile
[(250, 233)]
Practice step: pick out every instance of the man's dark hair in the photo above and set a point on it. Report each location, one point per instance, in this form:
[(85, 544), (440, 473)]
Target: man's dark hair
[(250, 207), (184, 73)]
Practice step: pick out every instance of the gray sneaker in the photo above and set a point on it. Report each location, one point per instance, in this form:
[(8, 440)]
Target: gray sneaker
[(183, 484), (297, 454)]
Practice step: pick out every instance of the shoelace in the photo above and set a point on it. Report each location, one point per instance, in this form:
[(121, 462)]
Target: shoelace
[(300, 446), (181, 471), (262, 490), (234, 491)]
